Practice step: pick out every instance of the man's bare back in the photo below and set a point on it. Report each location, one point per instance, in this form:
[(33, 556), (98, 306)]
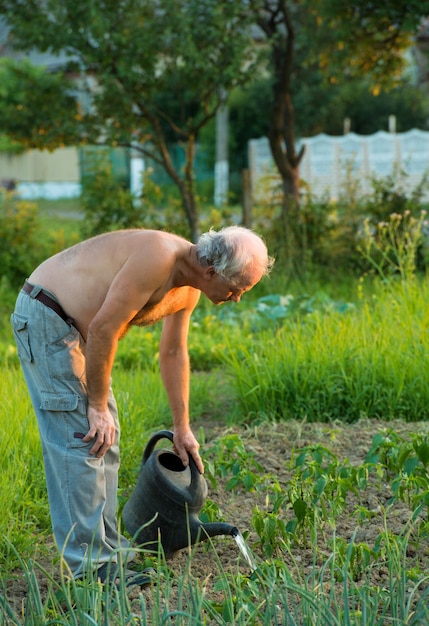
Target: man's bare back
[(146, 263)]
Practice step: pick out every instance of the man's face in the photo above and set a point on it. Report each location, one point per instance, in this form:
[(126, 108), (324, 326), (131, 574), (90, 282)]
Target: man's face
[(220, 290)]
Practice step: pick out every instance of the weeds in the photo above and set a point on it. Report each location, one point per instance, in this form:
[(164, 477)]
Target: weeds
[(391, 246)]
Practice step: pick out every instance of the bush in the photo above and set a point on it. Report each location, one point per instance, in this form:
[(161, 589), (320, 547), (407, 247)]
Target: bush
[(19, 245), (327, 236), (107, 204)]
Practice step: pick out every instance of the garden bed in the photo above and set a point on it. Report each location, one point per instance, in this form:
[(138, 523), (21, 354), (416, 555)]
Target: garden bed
[(367, 515)]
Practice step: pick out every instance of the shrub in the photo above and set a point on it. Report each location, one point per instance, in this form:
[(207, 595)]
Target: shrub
[(328, 235), (107, 204), (19, 245)]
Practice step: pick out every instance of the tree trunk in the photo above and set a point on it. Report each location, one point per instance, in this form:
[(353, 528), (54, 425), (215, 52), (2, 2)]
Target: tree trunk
[(188, 192), (190, 207), (184, 183), (281, 134), (277, 24)]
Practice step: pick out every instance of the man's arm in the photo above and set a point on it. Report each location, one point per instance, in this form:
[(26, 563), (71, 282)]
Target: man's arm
[(127, 295), (175, 372)]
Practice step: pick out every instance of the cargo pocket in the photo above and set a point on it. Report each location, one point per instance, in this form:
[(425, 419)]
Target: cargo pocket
[(22, 338), (66, 422)]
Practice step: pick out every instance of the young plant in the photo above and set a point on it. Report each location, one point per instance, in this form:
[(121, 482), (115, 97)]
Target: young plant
[(229, 458)]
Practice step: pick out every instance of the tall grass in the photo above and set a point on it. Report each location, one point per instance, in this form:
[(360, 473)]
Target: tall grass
[(370, 360), (25, 517)]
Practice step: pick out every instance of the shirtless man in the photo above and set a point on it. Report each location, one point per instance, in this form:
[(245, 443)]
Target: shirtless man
[(68, 319)]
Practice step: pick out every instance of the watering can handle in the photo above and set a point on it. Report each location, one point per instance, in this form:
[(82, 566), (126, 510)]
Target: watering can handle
[(162, 434), (195, 473), (167, 434)]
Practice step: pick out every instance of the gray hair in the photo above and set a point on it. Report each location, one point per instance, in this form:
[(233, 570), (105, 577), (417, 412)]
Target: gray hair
[(231, 250)]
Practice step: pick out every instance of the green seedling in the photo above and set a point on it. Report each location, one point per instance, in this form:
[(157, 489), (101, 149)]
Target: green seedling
[(231, 460)]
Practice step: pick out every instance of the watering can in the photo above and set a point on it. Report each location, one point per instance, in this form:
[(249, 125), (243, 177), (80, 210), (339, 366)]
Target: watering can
[(166, 501)]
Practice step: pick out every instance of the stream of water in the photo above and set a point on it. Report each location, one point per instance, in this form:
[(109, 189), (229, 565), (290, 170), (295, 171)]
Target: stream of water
[(245, 550)]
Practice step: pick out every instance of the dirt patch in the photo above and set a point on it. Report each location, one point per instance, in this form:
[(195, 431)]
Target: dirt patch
[(273, 446)]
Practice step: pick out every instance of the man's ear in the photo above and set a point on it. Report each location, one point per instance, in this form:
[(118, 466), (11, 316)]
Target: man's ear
[(210, 271)]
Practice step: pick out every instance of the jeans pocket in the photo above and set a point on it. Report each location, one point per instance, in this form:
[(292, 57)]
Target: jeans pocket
[(22, 338)]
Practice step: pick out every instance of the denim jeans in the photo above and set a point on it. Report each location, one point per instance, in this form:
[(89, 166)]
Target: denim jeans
[(82, 489)]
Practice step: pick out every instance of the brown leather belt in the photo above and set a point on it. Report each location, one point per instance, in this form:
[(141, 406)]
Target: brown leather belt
[(48, 301)]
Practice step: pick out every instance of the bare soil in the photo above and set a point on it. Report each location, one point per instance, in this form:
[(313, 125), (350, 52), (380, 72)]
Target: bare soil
[(273, 446)]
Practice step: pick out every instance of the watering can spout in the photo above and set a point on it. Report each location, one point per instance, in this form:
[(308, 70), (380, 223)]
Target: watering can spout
[(212, 529)]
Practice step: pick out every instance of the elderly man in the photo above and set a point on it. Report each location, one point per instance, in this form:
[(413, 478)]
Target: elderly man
[(68, 319)]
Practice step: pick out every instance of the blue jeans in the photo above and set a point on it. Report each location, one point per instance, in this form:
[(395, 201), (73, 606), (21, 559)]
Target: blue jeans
[(82, 489)]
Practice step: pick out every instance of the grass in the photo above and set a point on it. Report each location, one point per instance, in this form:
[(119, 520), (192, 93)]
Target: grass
[(281, 354), (367, 360)]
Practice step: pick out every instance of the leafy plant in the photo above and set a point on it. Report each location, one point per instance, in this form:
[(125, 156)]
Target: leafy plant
[(19, 250), (229, 458), (407, 461), (273, 532), (107, 204)]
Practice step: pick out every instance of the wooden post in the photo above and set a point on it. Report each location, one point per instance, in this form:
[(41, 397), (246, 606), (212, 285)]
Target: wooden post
[(246, 183), (347, 123)]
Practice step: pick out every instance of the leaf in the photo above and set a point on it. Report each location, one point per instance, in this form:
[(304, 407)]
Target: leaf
[(320, 485), (300, 509), (410, 465), (291, 526), (423, 453)]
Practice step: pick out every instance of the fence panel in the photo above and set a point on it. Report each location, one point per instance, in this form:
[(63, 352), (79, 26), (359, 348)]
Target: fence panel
[(328, 161)]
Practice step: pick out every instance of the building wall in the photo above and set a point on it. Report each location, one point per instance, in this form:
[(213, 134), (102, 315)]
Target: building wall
[(41, 166), (43, 174)]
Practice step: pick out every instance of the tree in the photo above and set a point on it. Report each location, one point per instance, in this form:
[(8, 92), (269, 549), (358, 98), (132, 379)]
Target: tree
[(341, 40), (36, 108), (128, 55)]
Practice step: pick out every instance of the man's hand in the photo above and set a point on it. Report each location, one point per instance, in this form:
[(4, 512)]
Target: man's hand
[(102, 429), (185, 444)]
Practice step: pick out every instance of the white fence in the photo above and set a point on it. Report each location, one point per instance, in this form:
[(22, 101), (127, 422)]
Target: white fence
[(329, 161)]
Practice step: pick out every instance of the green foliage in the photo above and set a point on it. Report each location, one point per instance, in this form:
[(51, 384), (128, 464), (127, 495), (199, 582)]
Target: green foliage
[(231, 457), (107, 205), (322, 106), (319, 107), (27, 519), (152, 80), (26, 239), (161, 206), (315, 494), (19, 249), (9, 145), (335, 236), (295, 355), (407, 462), (392, 247), (368, 39), (363, 367), (37, 110)]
